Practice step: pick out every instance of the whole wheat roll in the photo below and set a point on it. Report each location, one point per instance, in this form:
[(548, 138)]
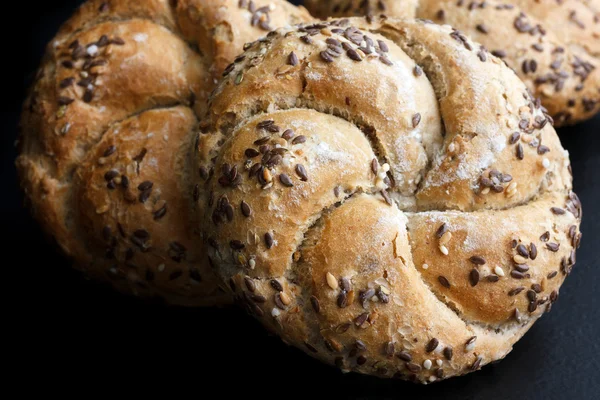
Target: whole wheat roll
[(554, 46), (386, 197), (105, 159)]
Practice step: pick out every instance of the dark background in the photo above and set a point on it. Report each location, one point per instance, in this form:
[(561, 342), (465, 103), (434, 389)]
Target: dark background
[(69, 334)]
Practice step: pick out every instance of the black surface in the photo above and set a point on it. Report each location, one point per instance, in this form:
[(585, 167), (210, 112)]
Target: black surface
[(69, 333)]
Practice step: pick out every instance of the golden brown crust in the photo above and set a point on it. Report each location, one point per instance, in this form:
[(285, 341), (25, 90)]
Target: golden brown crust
[(106, 133), (553, 46), (315, 228)]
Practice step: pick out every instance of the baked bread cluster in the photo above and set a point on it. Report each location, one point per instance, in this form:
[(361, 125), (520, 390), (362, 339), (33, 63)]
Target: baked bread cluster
[(553, 45), (105, 156), (387, 196)]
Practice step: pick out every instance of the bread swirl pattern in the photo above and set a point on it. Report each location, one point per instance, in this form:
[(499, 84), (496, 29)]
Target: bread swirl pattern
[(107, 131), (387, 196), (554, 46)]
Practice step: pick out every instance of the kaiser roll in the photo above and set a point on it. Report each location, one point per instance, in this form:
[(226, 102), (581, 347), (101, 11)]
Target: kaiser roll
[(387, 196), (105, 151)]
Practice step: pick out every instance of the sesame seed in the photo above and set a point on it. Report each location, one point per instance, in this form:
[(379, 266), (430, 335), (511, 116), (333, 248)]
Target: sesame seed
[(285, 298), (417, 71), (374, 166), (361, 319), (522, 267), (520, 153), (161, 212), (404, 356), (445, 239), (522, 250), (353, 55), (293, 59), (519, 259), (545, 236), (470, 344), (482, 28), (477, 260), (110, 175), (246, 210), (92, 50), (557, 211), (416, 120), (448, 353), (432, 345), (517, 275), (412, 367), (444, 281), (301, 171), (315, 304), (250, 284), (342, 300), (441, 230), (554, 247), (331, 281), (386, 197), (276, 285), (382, 295), (474, 277), (269, 241), (517, 315), (427, 364), (325, 56), (477, 364), (532, 306), (444, 250), (499, 271), (516, 291), (533, 251), (299, 139), (514, 138), (345, 284), (383, 46), (385, 60), (285, 180), (389, 349), (251, 153), (288, 134), (145, 185)]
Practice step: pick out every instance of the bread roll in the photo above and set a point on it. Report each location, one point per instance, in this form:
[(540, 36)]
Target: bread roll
[(387, 197), (105, 151), (554, 46)]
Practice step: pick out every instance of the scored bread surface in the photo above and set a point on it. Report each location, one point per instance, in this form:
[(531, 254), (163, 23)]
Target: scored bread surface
[(387, 196)]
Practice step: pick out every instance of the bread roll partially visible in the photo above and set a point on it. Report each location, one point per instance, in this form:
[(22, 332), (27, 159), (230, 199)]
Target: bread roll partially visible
[(554, 46), (105, 152)]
